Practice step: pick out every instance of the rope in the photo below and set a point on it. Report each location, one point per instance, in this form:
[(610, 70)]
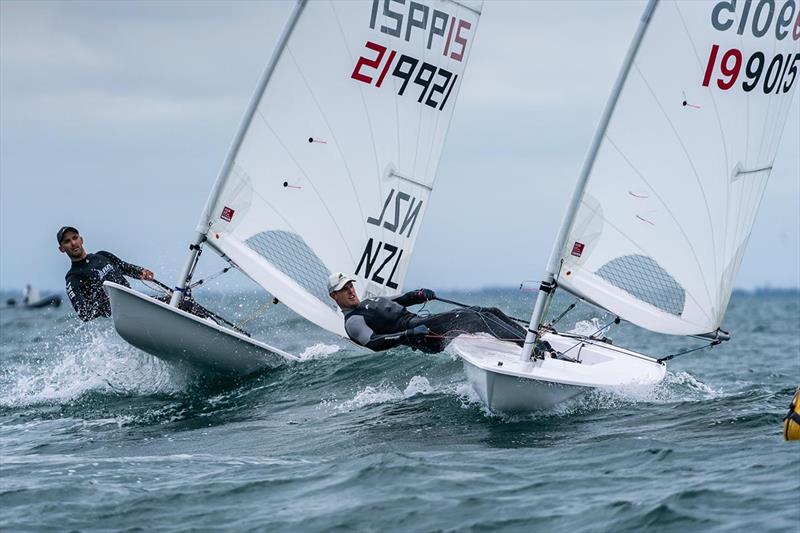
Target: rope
[(615, 321), (467, 306), (562, 315), (208, 278), (709, 345), (153, 286), (453, 333), (258, 312)]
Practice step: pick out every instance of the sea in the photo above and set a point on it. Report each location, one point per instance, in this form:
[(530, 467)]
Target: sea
[(96, 435)]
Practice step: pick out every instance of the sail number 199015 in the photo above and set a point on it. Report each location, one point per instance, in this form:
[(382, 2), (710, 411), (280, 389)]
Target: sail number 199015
[(762, 19)]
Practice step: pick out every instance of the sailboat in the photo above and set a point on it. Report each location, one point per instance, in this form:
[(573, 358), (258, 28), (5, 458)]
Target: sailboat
[(330, 171), (665, 202)]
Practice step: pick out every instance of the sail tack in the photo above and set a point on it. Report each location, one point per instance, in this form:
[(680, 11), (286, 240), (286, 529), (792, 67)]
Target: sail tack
[(674, 190), (336, 165)]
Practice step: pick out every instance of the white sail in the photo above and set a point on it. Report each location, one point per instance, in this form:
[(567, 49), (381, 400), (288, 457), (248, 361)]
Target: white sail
[(679, 175), (334, 166)]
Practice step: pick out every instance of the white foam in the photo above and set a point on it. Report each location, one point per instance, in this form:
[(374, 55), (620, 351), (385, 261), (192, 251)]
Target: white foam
[(319, 351), (587, 328), (417, 385), (92, 358), (386, 392)]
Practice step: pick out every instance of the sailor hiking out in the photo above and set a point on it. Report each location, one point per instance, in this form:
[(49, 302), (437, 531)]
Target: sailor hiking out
[(88, 272), (384, 322)]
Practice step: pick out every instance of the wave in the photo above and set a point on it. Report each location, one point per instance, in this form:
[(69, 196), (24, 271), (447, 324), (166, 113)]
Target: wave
[(386, 392), (319, 351)]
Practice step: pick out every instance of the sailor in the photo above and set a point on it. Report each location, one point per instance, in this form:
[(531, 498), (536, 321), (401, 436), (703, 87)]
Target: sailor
[(381, 323), (88, 272), (29, 296)]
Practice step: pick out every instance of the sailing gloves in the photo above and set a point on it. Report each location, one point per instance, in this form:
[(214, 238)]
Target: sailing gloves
[(427, 294), (417, 331)]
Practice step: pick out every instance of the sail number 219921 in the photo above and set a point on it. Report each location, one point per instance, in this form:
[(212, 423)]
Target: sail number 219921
[(435, 83)]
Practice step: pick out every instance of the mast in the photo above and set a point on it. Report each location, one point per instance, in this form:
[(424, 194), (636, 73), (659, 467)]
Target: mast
[(222, 176), (548, 285)]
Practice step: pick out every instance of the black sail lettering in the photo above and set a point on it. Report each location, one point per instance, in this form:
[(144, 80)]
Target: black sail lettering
[(377, 221), (411, 218), (397, 17), (717, 21), (401, 196), (370, 259), (412, 22), (389, 283), (437, 29), (392, 251)]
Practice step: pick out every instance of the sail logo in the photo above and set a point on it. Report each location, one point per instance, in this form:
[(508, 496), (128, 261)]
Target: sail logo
[(227, 214), (762, 71), (417, 19)]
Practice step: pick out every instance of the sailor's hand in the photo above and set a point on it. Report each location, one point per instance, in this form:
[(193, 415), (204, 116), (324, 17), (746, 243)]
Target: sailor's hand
[(418, 331), (147, 275), (427, 294)]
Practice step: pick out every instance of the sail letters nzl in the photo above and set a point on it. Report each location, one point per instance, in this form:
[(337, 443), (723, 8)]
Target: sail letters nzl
[(404, 206)]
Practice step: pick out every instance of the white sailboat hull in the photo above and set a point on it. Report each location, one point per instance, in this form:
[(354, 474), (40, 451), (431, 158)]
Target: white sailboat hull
[(507, 384), (179, 337)]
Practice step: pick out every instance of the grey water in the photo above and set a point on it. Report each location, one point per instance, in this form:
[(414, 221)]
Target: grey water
[(96, 435)]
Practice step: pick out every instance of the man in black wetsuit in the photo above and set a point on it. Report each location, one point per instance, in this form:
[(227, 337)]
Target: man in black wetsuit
[(382, 323), (88, 272)]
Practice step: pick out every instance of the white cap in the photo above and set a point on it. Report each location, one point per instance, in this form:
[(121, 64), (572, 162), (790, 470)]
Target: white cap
[(338, 280)]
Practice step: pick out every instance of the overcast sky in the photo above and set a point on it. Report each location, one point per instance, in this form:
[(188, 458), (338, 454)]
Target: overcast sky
[(115, 118)]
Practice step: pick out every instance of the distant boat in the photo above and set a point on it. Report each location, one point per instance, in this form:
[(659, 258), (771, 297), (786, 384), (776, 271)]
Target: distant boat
[(665, 203), (330, 171), (31, 299)]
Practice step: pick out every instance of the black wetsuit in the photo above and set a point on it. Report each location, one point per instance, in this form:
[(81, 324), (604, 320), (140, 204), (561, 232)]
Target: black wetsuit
[(85, 282), (382, 323)]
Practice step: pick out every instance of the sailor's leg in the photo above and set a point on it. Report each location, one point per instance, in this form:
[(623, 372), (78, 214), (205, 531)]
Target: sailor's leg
[(510, 322), (499, 325)]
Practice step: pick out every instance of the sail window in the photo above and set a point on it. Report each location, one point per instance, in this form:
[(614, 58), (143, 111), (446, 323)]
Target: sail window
[(644, 278), (291, 255)]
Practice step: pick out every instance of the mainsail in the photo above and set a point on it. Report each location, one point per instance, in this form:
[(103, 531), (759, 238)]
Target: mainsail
[(338, 153), (671, 196)]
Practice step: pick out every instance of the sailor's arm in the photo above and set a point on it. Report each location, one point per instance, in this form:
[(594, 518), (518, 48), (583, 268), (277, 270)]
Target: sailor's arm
[(358, 330), (128, 269), (420, 296)]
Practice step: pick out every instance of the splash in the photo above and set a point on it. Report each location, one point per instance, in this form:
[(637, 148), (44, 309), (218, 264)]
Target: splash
[(587, 328), (386, 392), (92, 358), (319, 351)]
